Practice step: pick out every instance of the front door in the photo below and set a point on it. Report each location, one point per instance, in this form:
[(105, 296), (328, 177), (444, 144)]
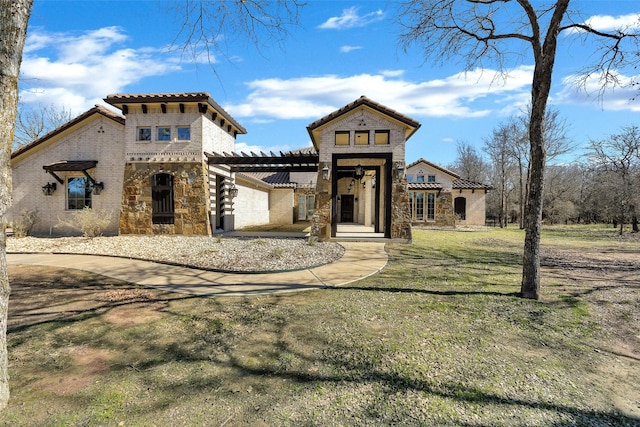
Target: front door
[(346, 211)]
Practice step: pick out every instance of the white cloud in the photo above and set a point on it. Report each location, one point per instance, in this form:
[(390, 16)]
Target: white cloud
[(247, 148), (610, 23), (589, 91), (348, 49), (77, 70), (392, 73), (460, 95), (351, 19)]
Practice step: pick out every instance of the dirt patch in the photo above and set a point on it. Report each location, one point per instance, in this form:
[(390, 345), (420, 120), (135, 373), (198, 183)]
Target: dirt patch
[(87, 365), (135, 314), (609, 280)]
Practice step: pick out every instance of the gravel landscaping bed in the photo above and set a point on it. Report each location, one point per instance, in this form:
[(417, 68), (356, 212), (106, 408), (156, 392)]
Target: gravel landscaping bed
[(227, 254)]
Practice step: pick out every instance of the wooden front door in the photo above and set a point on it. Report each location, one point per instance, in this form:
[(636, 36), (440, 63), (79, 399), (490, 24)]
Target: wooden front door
[(346, 210)]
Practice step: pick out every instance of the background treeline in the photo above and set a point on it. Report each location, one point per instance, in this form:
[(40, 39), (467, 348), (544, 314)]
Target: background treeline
[(600, 183)]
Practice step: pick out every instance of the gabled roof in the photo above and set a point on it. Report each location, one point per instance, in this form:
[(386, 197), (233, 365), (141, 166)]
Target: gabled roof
[(364, 101), (119, 100), (434, 166), (98, 109)]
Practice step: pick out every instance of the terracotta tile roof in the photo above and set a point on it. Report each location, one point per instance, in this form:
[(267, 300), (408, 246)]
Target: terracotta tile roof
[(464, 184), (98, 109), (424, 186), (433, 165), (119, 99)]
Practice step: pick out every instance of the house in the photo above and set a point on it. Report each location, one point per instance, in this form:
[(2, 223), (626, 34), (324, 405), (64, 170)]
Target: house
[(166, 164), (439, 197)]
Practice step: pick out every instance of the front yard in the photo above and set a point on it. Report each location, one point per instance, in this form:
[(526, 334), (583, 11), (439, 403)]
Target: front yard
[(439, 337)]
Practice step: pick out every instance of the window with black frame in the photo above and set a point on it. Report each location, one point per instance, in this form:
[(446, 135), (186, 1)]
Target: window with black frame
[(162, 199), (78, 193)]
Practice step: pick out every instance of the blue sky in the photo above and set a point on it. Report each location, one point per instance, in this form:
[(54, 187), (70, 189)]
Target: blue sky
[(78, 52)]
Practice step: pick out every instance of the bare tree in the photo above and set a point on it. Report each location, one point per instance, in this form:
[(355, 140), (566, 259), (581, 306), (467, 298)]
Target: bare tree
[(32, 123), (556, 143), (618, 160), (498, 148), (469, 164), (14, 16), (207, 25), (484, 31)]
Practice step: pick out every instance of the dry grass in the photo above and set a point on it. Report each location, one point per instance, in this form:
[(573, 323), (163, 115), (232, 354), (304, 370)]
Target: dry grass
[(438, 338)]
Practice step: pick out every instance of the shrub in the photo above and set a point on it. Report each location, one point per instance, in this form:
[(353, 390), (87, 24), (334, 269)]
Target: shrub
[(23, 225), (91, 222)]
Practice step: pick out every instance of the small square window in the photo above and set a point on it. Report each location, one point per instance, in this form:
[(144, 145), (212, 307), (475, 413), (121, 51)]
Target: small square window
[(184, 134), (382, 137), (431, 178), (342, 137), (362, 137), (420, 179), (144, 134), (164, 134), (409, 178)]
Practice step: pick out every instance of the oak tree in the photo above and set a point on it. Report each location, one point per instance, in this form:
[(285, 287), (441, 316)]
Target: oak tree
[(480, 32)]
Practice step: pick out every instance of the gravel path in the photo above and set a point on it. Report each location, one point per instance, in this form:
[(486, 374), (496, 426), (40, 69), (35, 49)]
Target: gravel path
[(227, 254)]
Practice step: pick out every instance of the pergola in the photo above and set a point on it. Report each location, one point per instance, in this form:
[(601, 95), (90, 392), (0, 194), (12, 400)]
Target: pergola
[(291, 161)]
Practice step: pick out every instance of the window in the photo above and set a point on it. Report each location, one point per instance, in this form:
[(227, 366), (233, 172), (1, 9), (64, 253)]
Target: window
[(362, 137), (144, 134), (431, 178), (382, 137), (184, 134), (460, 207), (305, 206), (419, 206), (409, 178), (411, 204), (342, 137), (78, 193), (420, 179), (164, 134), (431, 207), (162, 199)]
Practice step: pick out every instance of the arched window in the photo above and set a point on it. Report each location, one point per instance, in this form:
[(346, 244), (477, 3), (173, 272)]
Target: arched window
[(460, 207), (162, 198)]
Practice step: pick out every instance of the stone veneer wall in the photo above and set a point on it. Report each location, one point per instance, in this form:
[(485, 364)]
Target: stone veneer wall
[(445, 214), (400, 212), (191, 199)]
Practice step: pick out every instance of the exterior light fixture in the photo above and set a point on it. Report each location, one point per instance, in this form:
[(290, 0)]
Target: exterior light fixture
[(364, 184), (325, 172), (49, 188), (98, 187), (399, 170), (233, 191), (359, 173)]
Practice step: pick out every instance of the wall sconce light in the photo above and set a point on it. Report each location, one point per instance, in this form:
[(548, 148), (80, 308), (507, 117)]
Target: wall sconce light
[(325, 172), (233, 191), (49, 188), (399, 170), (359, 173), (98, 187), (364, 184)]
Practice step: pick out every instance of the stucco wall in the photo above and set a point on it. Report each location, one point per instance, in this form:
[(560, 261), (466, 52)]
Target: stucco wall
[(96, 138), (281, 206), (251, 206), (423, 169), (476, 210)]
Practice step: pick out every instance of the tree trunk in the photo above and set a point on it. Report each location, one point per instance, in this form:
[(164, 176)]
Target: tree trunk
[(541, 86), (14, 17)]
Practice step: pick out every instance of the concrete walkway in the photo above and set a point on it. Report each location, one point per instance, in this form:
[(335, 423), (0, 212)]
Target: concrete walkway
[(360, 260)]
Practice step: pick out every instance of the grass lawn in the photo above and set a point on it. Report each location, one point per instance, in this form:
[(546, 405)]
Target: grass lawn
[(438, 338)]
